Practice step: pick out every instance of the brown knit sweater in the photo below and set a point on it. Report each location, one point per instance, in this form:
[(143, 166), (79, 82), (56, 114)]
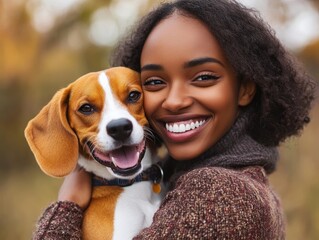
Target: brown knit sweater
[(223, 194), (218, 203)]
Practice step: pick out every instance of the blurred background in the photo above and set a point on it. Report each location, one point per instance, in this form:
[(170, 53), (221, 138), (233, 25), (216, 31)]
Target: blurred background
[(46, 44)]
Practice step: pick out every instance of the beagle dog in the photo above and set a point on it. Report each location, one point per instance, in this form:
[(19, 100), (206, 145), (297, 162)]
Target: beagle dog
[(98, 122)]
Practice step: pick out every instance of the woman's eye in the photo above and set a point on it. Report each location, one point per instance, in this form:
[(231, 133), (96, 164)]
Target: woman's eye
[(133, 96), (153, 84), (206, 77), (87, 109)]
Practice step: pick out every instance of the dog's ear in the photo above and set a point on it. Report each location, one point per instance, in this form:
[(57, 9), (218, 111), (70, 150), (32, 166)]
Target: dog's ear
[(51, 138)]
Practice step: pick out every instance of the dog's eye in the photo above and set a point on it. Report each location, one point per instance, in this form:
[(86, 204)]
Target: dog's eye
[(134, 96), (87, 109)]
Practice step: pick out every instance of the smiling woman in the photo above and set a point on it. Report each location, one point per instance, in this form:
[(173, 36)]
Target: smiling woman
[(221, 93)]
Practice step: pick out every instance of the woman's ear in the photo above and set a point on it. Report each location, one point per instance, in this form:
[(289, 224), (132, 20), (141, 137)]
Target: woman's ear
[(247, 92)]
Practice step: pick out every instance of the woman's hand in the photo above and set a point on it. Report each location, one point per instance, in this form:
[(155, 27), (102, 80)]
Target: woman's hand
[(77, 188)]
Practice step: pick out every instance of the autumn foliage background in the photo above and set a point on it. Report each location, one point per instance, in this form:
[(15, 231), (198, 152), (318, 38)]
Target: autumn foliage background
[(38, 56)]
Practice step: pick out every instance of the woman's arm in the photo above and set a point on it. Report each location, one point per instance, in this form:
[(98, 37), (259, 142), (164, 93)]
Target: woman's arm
[(60, 221), (63, 219)]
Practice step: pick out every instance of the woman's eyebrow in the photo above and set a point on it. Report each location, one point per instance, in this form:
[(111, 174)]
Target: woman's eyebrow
[(152, 67), (199, 61)]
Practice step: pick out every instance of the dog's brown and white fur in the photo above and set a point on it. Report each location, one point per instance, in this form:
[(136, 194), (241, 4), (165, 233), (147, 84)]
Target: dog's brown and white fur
[(98, 122)]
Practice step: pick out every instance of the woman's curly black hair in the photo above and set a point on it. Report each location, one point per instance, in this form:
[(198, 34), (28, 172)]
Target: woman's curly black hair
[(284, 90)]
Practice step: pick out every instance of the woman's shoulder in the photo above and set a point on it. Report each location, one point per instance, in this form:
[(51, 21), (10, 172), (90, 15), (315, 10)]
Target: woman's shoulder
[(248, 185), (218, 177), (241, 198), (246, 188), (232, 191), (213, 202)]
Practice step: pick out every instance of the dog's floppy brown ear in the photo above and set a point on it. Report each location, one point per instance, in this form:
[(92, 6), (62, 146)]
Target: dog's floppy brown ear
[(51, 138)]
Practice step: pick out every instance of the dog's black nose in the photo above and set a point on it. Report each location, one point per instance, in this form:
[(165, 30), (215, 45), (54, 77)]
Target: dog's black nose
[(119, 129)]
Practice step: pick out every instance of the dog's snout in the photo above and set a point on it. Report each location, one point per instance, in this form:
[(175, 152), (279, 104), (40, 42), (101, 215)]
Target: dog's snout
[(119, 129)]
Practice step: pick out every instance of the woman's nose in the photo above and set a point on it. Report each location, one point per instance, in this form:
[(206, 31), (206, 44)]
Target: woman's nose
[(177, 98)]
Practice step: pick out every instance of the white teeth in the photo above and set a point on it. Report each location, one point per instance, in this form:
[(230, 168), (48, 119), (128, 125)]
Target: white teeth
[(181, 127), (175, 128)]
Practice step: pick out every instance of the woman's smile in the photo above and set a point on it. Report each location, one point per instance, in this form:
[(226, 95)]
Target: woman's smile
[(182, 128)]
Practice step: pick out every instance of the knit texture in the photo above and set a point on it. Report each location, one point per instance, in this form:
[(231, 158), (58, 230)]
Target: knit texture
[(219, 203), (61, 221)]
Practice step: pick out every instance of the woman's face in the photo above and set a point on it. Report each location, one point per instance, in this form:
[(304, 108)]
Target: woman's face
[(191, 94)]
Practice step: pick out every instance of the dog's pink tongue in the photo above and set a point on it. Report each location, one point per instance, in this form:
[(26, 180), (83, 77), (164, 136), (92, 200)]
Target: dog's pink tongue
[(125, 157)]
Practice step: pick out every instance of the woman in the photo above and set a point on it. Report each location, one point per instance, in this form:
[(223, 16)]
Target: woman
[(221, 93)]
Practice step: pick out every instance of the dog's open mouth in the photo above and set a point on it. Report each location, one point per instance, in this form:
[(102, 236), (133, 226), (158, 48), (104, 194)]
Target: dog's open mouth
[(123, 161)]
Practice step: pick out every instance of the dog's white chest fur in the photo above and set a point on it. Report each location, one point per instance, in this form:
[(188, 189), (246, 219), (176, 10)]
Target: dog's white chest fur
[(134, 210)]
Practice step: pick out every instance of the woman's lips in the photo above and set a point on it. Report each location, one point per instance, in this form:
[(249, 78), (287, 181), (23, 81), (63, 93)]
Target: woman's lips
[(182, 127), (185, 130)]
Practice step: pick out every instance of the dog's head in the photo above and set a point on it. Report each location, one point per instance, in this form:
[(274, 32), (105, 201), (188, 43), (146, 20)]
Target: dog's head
[(98, 120)]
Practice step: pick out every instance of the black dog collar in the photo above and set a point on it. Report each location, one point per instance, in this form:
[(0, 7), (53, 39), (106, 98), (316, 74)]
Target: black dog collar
[(154, 173)]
